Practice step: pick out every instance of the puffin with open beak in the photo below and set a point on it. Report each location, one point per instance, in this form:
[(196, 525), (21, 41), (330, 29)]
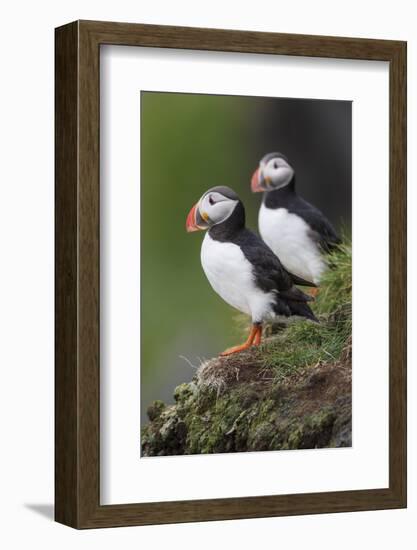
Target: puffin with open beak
[(241, 268), (296, 231)]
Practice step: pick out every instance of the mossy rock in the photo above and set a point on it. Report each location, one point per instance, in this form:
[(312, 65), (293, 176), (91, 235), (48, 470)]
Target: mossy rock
[(306, 410)]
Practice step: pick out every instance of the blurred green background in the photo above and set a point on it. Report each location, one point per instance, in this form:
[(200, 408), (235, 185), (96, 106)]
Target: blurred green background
[(189, 143)]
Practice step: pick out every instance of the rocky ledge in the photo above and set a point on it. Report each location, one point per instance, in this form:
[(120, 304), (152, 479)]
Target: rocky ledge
[(236, 404)]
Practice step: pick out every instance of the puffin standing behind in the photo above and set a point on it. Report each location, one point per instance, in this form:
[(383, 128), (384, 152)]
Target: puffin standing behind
[(296, 231), (241, 268)]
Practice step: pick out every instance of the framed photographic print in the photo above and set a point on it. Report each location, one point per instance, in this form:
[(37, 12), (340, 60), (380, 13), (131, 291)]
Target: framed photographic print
[(230, 274)]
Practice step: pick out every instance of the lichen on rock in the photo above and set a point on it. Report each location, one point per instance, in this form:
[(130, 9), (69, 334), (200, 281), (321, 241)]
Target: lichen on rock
[(252, 412)]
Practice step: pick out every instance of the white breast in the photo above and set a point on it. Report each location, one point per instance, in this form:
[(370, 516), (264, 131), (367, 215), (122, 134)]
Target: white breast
[(288, 236), (231, 276)]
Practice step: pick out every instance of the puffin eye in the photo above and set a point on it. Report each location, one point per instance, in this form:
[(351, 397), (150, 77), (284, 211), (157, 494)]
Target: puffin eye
[(275, 165), (211, 201)]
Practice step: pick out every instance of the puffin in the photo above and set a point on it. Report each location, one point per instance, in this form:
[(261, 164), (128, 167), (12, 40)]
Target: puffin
[(241, 268), (295, 230)]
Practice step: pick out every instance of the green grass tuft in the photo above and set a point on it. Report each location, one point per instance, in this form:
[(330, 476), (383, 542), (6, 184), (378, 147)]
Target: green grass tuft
[(336, 284), (303, 343)]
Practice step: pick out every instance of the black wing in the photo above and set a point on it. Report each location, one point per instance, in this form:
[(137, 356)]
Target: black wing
[(321, 230), (270, 275)]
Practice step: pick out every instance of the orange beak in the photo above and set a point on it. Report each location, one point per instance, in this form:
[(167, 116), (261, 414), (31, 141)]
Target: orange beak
[(255, 183), (191, 223)]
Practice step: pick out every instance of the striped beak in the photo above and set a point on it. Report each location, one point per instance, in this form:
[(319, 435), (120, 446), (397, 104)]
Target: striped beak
[(256, 181), (195, 222), (191, 223)]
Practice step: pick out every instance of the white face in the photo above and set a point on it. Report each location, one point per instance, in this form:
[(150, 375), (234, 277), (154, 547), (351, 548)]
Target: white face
[(215, 208), (276, 173)]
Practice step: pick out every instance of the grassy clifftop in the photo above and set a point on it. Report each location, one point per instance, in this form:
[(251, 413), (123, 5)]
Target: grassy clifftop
[(292, 392)]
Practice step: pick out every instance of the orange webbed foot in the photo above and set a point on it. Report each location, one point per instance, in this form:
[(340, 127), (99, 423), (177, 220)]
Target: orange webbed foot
[(235, 349), (254, 339), (313, 292), (258, 337)]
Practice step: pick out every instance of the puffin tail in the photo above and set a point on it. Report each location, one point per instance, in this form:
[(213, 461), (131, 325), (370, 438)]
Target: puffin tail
[(303, 310), (301, 282)]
